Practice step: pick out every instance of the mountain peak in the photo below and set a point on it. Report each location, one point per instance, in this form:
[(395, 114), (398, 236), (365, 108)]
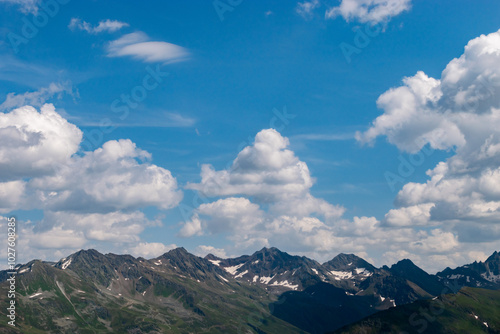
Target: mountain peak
[(404, 263), (176, 252), (212, 257), (347, 262), (406, 266), (272, 250), (493, 257)]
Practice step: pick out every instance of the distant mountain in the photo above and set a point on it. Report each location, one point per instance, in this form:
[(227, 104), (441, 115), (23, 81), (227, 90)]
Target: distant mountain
[(89, 292), (478, 274), (348, 270), (269, 291), (408, 270), (272, 269), (471, 310)]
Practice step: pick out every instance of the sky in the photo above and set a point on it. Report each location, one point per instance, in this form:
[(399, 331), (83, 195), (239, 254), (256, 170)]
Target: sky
[(318, 127)]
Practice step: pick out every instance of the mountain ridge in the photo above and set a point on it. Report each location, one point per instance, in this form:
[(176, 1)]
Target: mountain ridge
[(89, 290)]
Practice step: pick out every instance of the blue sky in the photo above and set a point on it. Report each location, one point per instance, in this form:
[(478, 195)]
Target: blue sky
[(228, 74)]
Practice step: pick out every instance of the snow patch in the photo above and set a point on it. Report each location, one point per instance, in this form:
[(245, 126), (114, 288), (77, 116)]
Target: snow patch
[(66, 264), (362, 271), (215, 262), (266, 279), (232, 270), (36, 294), (315, 271), (286, 284), (455, 276), (339, 275), (225, 280), (241, 274), (489, 276)]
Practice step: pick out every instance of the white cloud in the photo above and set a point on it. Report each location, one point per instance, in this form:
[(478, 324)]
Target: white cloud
[(458, 112), (437, 241), (87, 198), (108, 179), (55, 238), (33, 142), (270, 212), (274, 178), (266, 170), (306, 8), (11, 195), (118, 227), (139, 46), (26, 6), (37, 98), (372, 11), (410, 216), (150, 250), (203, 250), (192, 227), (477, 256), (230, 214), (103, 26)]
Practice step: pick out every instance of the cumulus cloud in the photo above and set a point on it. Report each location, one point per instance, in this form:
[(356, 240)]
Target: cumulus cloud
[(372, 11), (459, 112), (116, 226), (264, 199), (437, 241), (103, 26), (139, 46), (33, 142), (11, 195), (203, 250), (108, 179), (192, 227), (230, 214), (266, 170), (86, 197), (410, 216), (150, 250), (276, 206), (306, 8)]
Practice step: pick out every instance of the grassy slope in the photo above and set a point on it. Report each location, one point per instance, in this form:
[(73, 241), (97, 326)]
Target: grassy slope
[(447, 314), (199, 308)]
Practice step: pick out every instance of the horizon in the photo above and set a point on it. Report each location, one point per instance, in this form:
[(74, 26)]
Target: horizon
[(248, 254), (318, 128)]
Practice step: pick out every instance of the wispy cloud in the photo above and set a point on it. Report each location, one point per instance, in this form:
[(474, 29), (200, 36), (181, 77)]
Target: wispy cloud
[(139, 46), (156, 119), (36, 98), (103, 26), (372, 11), (25, 6), (306, 8)]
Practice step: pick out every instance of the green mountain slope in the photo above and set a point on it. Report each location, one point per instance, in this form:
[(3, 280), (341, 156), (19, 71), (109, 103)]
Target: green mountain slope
[(471, 310), (89, 292)]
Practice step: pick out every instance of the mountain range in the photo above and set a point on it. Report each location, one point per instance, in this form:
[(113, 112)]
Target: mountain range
[(269, 291)]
